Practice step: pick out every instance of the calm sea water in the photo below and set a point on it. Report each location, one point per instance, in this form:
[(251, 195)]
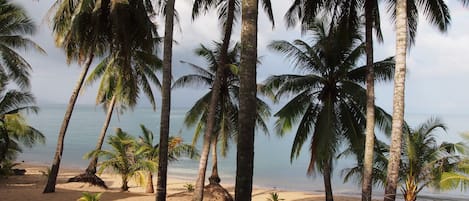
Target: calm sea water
[(272, 163)]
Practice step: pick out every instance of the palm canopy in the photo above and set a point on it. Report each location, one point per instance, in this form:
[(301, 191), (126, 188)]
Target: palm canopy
[(306, 11), (126, 84), (228, 106), (426, 162), (14, 130), (203, 6), (328, 101), (96, 27), (15, 26)]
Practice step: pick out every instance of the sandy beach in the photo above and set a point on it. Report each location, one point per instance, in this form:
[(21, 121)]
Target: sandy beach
[(30, 186)]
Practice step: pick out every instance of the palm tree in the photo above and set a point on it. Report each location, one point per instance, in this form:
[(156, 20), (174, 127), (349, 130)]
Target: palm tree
[(14, 130), (227, 11), (117, 89), (79, 37), (176, 149), (329, 102), (123, 158), (436, 11), (15, 25), (90, 197), (247, 100), (227, 109), (398, 101), (424, 161), (165, 101), (85, 29)]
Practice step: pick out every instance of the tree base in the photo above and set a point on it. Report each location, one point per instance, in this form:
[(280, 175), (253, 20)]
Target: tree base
[(89, 178), (215, 192)]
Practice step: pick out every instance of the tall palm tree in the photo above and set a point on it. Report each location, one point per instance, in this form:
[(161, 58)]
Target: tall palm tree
[(176, 149), (227, 10), (329, 101), (247, 100), (424, 161), (85, 29), (78, 36), (117, 88), (305, 11), (15, 24), (227, 109), (14, 130), (165, 100)]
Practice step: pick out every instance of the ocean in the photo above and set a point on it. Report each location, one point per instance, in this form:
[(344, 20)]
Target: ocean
[(272, 167)]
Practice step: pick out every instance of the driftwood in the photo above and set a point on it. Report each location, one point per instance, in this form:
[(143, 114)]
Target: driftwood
[(89, 178)]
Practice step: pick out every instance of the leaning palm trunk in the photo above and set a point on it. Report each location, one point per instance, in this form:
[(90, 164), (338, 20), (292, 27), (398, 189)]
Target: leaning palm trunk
[(149, 188), (398, 103), (54, 170), (94, 161), (370, 105), (165, 102), (214, 100), (247, 102), (214, 178)]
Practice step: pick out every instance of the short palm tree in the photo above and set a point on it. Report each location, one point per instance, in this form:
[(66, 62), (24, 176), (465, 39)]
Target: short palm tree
[(14, 130), (90, 197), (425, 162), (123, 157), (329, 99), (176, 149), (226, 126), (15, 25)]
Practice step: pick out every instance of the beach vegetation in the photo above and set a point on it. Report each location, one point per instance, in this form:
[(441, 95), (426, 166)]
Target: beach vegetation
[(189, 187), (274, 196), (329, 99), (149, 150), (90, 197)]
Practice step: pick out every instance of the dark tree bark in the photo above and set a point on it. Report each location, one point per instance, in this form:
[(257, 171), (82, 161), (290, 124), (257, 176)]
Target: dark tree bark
[(165, 103), (327, 180), (247, 101)]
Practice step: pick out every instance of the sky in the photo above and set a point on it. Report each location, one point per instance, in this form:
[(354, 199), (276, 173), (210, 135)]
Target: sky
[(438, 64)]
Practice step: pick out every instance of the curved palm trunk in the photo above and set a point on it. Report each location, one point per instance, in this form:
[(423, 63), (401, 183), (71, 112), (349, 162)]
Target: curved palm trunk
[(165, 102), (54, 170), (370, 105), (327, 180), (149, 188), (247, 102), (398, 102), (94, 161), (199, 185), (214, 178)]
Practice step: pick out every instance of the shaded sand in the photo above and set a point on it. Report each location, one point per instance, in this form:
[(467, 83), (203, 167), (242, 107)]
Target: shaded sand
[(30, 186)]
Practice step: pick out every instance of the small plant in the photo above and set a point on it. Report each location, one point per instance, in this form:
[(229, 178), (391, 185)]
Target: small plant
[(189, 187), (90, 197), (274, 197), (46, 172)]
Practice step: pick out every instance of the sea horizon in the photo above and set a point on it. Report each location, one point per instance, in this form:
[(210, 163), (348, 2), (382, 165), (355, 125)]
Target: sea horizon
[(272, 166)]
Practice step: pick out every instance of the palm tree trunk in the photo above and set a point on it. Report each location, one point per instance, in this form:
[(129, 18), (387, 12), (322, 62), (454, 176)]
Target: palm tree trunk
[(199, 185), (125, 185), (370, 104), (247, 102), (214, 178), (398, 102), (149, 188), (94, 161), (165, 103), (6, 144), (54, 170), (327, 180)]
